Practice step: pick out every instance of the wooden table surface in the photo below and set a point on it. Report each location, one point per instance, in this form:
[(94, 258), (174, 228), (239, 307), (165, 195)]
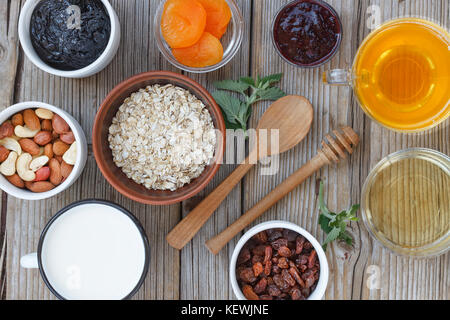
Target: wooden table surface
[(194, 273)]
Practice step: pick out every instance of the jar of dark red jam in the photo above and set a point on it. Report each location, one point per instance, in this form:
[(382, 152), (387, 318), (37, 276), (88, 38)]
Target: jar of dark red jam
[(307, 33)]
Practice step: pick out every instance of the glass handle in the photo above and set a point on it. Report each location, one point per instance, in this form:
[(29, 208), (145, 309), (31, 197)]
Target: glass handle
[(337, 77), (30, 261)]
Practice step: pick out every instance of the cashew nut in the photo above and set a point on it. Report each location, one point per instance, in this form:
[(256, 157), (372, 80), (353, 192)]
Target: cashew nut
[(11, 144), (24, 132), (38, 163), (23, 167), (70, 156), (8, 167)]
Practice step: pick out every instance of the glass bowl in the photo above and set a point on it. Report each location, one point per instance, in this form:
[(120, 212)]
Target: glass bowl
[(405, 202), (322, 60), (231, 40)]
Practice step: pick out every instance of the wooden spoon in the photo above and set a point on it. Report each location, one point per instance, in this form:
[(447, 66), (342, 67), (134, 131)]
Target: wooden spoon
[(333, 149), (292, 116)]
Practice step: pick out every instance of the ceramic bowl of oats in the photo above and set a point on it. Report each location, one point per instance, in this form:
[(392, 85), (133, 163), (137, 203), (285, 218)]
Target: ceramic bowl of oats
[(159, 138)]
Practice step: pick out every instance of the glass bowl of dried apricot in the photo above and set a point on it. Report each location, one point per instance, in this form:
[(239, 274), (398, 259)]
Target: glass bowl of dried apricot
[(199, 35)]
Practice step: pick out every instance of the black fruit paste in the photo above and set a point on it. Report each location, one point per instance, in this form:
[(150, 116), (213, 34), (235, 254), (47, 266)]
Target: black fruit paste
[(70, 34)]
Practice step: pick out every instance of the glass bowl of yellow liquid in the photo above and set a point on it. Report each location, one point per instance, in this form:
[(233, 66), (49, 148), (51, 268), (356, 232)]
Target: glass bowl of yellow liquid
[(401, 75), (406, 202)]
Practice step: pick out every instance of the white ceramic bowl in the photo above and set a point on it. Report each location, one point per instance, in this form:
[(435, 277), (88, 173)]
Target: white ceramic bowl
[(80, 137), (95, 67), (318, 293)]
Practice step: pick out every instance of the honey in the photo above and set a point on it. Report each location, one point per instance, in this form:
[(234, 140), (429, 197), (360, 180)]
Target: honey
[(406, 202), (402, 74)]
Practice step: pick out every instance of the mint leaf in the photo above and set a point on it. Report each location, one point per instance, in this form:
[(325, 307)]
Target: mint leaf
[(231, 106), (324, 223), (335, 224), (236, 111), (272, 93), (273, 78), (231, 85), (248, 81)]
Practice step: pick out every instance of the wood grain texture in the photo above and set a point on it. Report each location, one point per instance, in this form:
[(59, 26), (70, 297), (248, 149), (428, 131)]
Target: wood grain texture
[(194, 273)]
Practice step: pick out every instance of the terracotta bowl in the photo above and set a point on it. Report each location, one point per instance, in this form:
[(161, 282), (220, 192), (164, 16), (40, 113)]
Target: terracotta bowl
[(103, 154)]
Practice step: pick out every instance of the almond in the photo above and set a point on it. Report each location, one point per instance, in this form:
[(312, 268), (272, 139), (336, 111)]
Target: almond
[(67, 137), (39, 186), (59, 158), (29, 146), (46, 125), (6, 130), (4, 153), (15, 180), (66, 169), (48, 150), (55, 171), (31, 120), (43, 138), (42, 174), (59, 124), (59, 148), (17, 120)]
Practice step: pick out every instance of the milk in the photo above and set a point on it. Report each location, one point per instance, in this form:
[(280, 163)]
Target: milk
[(93, 251)]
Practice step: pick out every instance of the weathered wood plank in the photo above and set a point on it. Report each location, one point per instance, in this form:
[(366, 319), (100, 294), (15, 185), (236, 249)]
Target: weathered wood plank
[(137, 53), (203, 275), (9, 55), (402, 278)]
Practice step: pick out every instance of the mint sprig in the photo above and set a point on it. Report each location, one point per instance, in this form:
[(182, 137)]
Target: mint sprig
[(335, 224), (237, 111)]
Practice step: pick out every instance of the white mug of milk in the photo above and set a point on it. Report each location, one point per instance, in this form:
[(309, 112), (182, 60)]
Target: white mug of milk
[(92, 250)]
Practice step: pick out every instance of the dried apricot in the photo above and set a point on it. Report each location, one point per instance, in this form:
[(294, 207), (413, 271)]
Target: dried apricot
[(183, 23), (218, 15), (206, 52)]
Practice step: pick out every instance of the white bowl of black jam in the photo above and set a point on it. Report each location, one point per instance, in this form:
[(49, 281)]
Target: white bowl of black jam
[(307, 33), (69, 38)]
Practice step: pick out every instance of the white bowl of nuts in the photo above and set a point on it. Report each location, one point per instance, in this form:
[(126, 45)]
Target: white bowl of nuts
[(43, 150)]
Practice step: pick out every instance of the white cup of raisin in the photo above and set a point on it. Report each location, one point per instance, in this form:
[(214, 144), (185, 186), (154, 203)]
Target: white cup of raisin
[(278, 260), (43, 150)]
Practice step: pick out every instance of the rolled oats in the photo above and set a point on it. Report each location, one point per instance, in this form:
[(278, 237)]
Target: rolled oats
[(162, 137)]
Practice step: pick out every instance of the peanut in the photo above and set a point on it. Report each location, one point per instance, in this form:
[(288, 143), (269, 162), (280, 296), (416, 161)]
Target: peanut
[(39, 186), (42, 174), (8, 167), (59, 124), (29, 146), (44, 114), (16, 181), (17, 120), (31, 120), (67, 137), (43, 137), (23, 167), (55, 172)]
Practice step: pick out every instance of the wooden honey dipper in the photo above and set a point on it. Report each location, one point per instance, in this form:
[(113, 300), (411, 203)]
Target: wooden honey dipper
[(333, 149)]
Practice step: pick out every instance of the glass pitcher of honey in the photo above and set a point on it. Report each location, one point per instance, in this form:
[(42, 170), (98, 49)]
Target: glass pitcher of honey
[(401, 75)]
